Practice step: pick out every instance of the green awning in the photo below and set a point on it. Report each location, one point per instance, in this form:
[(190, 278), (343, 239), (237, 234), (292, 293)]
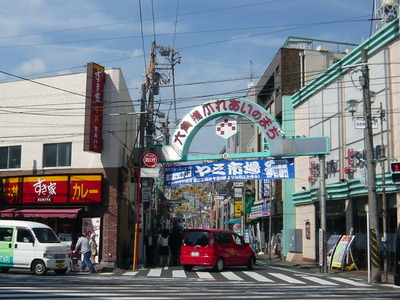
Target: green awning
[(232, 221)]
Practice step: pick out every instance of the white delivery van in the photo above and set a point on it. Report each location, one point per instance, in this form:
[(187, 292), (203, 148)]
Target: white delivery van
[(31, 245)]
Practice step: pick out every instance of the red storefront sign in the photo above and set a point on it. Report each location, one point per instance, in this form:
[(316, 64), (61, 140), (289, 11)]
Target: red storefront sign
[(47, 189), (52, 189), (12, 189), (85, 189)]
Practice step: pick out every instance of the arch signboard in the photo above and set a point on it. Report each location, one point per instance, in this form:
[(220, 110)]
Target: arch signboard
[(189, 189), (278, 144)]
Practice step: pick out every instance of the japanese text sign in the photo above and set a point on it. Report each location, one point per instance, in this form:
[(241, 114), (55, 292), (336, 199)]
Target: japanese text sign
[(230, 171), (52, 189)]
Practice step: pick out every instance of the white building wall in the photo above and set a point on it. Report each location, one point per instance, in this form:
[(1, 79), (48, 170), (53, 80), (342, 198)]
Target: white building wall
[(329, 116), (52, 110)]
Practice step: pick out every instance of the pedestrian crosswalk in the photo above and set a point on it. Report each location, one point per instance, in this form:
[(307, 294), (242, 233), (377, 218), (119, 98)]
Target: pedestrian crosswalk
[(261, 276)]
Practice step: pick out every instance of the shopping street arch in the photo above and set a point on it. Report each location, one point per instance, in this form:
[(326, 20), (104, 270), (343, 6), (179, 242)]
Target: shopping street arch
[(279, 145)]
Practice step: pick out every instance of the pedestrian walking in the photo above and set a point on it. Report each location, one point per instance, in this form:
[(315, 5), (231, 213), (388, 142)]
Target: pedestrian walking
[(163, 249), (150, 242), (84, 247), (93, 248), (175, 243)]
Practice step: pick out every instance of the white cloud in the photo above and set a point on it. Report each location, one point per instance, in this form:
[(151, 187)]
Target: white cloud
[(32, 66)]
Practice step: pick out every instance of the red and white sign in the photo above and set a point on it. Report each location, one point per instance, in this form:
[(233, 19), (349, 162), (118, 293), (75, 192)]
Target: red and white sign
[(150, 159), (226, 127), (52, 189), (93, 138)]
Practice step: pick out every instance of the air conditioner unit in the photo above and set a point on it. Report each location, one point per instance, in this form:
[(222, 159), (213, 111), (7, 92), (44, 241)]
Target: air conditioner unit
[(322, 48)]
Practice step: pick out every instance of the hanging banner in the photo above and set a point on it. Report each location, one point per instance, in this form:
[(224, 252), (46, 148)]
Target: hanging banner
[(230, 171)]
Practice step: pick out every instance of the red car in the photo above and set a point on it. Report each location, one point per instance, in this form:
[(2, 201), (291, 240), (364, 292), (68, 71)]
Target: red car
[(216, 248)]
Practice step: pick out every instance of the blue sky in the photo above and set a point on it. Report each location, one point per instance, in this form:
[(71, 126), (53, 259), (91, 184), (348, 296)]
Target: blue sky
[(217, 39)]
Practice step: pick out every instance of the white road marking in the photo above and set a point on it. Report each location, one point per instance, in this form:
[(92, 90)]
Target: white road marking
[(231, 276), (257, 276), (178, 274), (154, 273), (131, 273), (348, 281), (319, 280), (205, 275), (286, 278)]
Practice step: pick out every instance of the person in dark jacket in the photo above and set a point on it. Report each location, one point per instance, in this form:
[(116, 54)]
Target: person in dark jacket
[(175, 243), (150, 243)]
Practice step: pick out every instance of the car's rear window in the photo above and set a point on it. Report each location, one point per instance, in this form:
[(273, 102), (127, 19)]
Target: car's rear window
[(196, 238)]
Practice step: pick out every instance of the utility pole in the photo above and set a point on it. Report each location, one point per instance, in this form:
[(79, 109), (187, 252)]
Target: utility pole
[(323, 212), (370, 162), (147, 130), (384, 201), (152, 82)]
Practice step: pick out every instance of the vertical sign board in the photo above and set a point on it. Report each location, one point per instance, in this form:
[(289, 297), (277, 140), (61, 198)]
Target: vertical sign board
[(93, 137)]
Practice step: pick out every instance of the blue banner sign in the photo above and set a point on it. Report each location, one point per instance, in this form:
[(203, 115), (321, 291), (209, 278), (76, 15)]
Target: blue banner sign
[(230, 171)]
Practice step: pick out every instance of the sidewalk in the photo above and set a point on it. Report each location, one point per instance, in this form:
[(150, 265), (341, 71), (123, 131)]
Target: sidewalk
[(313, 267)]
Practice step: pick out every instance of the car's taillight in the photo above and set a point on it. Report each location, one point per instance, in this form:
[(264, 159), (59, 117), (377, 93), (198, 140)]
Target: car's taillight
[(211, 242)]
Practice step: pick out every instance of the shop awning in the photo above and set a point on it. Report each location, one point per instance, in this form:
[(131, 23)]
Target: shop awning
[(7, 213), (232, 221), (40, 213)]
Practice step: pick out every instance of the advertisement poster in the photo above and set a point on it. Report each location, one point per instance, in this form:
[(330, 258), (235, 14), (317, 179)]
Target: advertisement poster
[(89, 226), (340, 252), (330, 248)]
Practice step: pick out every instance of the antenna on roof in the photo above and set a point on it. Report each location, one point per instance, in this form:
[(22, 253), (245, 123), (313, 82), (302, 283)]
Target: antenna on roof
[(251, 83)]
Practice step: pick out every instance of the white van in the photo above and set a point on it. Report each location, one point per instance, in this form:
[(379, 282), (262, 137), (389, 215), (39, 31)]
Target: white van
[(31, 245)]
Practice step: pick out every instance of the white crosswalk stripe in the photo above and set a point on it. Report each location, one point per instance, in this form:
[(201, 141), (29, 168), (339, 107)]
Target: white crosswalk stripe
[(248, 276), (319, 280), (257, 276), (130, 273), (231, 276), (154, 273), (286, 278), (205, 275), (178, 274), (348, 281)]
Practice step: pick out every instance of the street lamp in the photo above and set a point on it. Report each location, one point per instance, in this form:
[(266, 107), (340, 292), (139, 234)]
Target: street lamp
[(352, 106)]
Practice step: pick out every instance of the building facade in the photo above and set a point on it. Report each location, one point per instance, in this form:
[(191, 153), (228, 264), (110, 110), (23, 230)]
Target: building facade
[(323, 108), (296, 63), (65, 158)]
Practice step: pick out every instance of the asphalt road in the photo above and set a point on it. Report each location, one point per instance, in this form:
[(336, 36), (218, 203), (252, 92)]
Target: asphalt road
[(174, 283)]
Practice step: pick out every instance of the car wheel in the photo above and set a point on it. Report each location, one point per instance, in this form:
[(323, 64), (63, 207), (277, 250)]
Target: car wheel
[(219, 265), (39, 268), (187, 267), (250, 263), (61, 271), (4, 269)]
